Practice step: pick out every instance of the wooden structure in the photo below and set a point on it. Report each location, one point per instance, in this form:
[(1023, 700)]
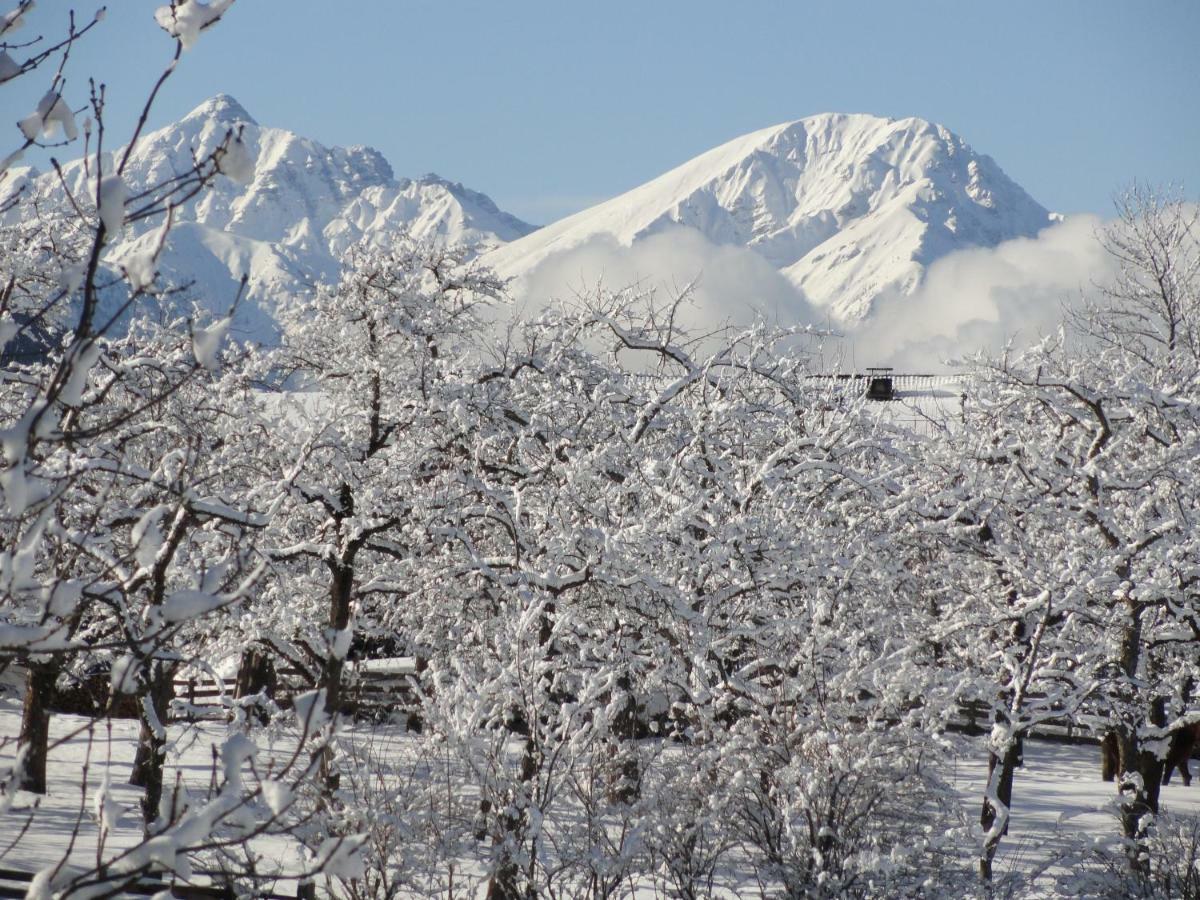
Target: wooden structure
[(14, 883), (374, 689), (882, 383)]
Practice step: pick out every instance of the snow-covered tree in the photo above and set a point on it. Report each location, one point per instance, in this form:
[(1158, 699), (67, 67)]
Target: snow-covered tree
[(1004, 618), (52, 316), (372, 361), (122, 503), (1064, 508), (1125, 404)]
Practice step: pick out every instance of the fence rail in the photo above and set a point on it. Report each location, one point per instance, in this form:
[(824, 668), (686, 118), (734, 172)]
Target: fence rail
[(14, 883), (372, 689)]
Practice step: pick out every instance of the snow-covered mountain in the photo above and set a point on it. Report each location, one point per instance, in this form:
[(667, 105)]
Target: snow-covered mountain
[(287, 228), (849, 208)]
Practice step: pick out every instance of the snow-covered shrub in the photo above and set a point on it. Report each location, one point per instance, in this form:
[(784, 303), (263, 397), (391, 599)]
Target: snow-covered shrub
[(840, 811), (596, 846), (1172, 844), (405, 795), (686, 833)]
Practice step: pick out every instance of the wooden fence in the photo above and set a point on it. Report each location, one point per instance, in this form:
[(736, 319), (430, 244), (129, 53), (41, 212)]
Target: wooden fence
[(14, 883), (373, 689)]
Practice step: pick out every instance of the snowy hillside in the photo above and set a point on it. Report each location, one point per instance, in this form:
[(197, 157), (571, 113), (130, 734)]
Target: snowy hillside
[(847, 207), (286, 228)]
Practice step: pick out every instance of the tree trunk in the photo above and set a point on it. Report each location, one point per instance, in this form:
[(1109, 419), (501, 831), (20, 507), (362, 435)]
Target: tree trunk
[(1134, 800), (1110, 756), (256, 675), (1139, 798), (35, 724), (505, 884), (148, 761), (1140, 783), (1150, 764), (341, 588), (1008, 763), (625, 785)]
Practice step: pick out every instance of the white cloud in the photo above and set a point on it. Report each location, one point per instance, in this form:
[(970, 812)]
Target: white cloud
[(732, 285), (970, 300), (983, 298)]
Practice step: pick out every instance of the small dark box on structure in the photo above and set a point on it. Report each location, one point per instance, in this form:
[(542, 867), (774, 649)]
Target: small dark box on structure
[(879, 384)]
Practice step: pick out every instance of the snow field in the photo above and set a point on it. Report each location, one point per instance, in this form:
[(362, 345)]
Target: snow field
[(1060, 802)]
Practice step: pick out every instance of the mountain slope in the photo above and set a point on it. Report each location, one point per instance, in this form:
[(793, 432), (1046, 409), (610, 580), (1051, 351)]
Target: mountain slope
[(290, 225), (849, 208)]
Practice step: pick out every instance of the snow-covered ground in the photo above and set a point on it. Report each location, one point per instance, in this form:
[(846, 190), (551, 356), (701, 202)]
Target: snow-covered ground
[(1057, 796), (95, 753), (1058, 792)]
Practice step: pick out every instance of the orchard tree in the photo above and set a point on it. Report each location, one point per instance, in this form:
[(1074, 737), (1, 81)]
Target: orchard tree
[(1005, 615), (1127, 399), (524, 609), (51, 299), (121, 531), (370, 359), (637, 545), (175, 545), (1069, 491)]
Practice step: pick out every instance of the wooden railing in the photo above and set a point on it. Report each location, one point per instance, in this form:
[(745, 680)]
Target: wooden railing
[(14, 883), (373, 689)]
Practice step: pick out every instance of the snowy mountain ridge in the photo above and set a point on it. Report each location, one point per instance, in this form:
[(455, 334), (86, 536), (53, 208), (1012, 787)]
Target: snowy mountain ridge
[(850, 208), (287, 228)]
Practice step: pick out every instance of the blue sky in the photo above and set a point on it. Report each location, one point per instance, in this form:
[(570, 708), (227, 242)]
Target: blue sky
[(551, 106)]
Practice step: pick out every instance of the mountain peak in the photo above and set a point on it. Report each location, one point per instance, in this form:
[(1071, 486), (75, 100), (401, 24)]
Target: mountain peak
[(431, 179), (222, 108), (286, 230), (849, 207)]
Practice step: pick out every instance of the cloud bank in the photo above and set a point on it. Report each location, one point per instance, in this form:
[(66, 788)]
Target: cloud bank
[(985, 298), (971, 300), (731, 285)]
